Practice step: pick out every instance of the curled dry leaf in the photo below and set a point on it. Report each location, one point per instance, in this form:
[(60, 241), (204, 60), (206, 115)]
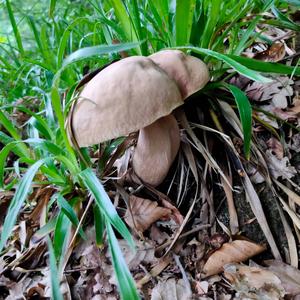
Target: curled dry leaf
[(236, 251), (254, 282), (144, 213)]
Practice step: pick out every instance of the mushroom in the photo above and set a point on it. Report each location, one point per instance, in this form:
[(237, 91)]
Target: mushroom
[(130, 95)]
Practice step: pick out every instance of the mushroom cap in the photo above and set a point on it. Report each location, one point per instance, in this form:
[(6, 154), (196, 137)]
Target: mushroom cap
[(125, 97), (190, 73)]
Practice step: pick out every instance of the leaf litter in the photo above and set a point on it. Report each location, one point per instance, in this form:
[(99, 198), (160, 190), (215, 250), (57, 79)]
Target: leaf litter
[(206, 240)]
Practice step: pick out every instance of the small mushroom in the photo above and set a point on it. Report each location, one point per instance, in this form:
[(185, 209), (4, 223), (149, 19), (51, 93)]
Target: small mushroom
[(137, 94)]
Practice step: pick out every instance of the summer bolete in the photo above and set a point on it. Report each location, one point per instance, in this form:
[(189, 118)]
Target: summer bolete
[(130, 95)]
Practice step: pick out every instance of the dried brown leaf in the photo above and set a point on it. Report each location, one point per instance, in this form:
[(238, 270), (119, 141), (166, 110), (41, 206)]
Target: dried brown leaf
[(254, 282), (144, 213), (289, 276), (236, 251), (273, 54)]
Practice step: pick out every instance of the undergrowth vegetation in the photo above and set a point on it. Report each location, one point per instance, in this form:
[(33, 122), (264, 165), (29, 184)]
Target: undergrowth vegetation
[(46, 50)]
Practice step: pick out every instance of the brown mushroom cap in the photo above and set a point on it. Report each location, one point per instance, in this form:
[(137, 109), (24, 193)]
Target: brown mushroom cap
[(190, 73), (125, 97)]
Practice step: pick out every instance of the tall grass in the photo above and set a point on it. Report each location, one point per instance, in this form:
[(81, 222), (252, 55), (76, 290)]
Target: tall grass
[(43, 56)]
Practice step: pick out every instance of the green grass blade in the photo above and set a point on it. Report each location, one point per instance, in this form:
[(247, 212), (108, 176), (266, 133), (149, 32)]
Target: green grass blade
[(231, 62), (69, 212), (135, 16), (213, 11), (9, 126), (245, 112), (266, 67), (99, 222), (125, 281), (36, 34), (15, 27), (65, 37), (3, 156), (125, 22), (16, 203), (46, 145), (284, 21), (52, 8), (46, 229), (57, 107), (88, 52), (55, 286), (108, 210), (184, 21), (61, 233), (5, 139), (246, 36)]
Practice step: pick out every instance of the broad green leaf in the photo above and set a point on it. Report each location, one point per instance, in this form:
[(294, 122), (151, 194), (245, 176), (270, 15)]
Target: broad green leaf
[(16, 203), (126, 283), (94, 185), (55, 285)]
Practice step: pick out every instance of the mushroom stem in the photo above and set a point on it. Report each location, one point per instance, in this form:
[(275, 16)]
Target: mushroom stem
[(156, 149)]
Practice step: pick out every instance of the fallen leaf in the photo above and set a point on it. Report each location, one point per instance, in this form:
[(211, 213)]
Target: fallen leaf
[(296, 106), (144, 213), (236, 251), (273, 54), (275, 147), (289, 276), (171, 290), (279, 167), (295, 142), (254, 282), (281, 88), (201, 287), (144, 253)]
